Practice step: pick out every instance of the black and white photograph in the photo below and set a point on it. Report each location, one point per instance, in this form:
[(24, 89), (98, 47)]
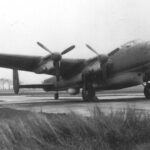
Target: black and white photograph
[(74, 75)]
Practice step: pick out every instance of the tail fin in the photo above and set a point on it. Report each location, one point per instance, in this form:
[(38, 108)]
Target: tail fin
[(15, 81)]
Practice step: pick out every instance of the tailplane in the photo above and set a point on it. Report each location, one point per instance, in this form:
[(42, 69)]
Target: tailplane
[(17, 85)]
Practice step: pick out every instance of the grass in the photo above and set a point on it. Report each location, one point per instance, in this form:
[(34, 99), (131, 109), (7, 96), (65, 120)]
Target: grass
[(125, 130)]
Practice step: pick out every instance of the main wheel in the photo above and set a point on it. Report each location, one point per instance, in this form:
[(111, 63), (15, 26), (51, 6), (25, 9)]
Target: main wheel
[(56, 96), (88, 93), (85, 95), (147, 91)]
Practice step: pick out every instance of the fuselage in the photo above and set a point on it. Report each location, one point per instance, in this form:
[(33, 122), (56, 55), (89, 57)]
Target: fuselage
[(131, 62), (132, 56), (129, 65)]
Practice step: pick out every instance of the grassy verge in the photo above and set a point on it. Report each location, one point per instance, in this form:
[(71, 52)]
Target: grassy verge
[(126, 130)]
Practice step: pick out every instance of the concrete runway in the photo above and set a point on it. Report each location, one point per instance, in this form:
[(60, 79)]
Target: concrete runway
[(45, 103)]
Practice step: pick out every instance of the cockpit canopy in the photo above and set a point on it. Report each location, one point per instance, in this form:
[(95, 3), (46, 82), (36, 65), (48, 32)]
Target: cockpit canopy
[(130, 44), (124, 46)]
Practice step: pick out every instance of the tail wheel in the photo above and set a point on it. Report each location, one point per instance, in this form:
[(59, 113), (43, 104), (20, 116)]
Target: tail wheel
[(147, 91)]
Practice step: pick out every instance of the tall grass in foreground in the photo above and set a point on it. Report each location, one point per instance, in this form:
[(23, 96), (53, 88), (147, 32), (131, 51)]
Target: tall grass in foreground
[(125, 130)]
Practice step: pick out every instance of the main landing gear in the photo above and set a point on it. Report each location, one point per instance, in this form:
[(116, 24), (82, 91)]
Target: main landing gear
[(88, 92), (147, 90)]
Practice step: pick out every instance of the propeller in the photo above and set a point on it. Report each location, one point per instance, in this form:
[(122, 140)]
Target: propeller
[(62, 53), (56, 57)]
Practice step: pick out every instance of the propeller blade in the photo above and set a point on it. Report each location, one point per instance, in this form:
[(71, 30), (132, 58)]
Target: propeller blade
[(45, 48), (68, 50), (57, 67), (88, 46)]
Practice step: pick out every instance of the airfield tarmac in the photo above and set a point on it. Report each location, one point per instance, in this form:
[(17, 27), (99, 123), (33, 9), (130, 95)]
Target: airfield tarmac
[(108, 102)]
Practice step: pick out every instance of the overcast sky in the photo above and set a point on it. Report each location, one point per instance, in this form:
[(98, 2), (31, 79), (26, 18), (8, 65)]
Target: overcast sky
[(104, 24)]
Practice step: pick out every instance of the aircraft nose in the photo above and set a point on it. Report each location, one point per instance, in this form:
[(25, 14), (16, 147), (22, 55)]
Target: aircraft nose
[(148, 48), (146, 51)]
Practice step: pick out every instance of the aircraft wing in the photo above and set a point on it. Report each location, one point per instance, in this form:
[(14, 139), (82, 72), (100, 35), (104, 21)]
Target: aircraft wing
[(19, 62), (68, 67)]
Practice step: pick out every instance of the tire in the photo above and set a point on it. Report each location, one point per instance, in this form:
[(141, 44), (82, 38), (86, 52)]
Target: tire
[(56, 96), (85, 96), (88, 95)]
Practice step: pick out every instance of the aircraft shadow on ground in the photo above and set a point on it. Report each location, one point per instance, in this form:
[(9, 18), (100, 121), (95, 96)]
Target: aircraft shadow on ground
[(79, 101)]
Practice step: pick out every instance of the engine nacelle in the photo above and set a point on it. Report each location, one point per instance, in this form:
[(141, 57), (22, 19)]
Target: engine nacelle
[(73, 91)]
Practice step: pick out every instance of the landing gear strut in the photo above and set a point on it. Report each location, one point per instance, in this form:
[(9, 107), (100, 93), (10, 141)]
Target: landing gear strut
[(88, 92), (147, 90)]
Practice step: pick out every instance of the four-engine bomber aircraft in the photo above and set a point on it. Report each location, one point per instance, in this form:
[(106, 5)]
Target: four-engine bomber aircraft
[(126, 66)]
